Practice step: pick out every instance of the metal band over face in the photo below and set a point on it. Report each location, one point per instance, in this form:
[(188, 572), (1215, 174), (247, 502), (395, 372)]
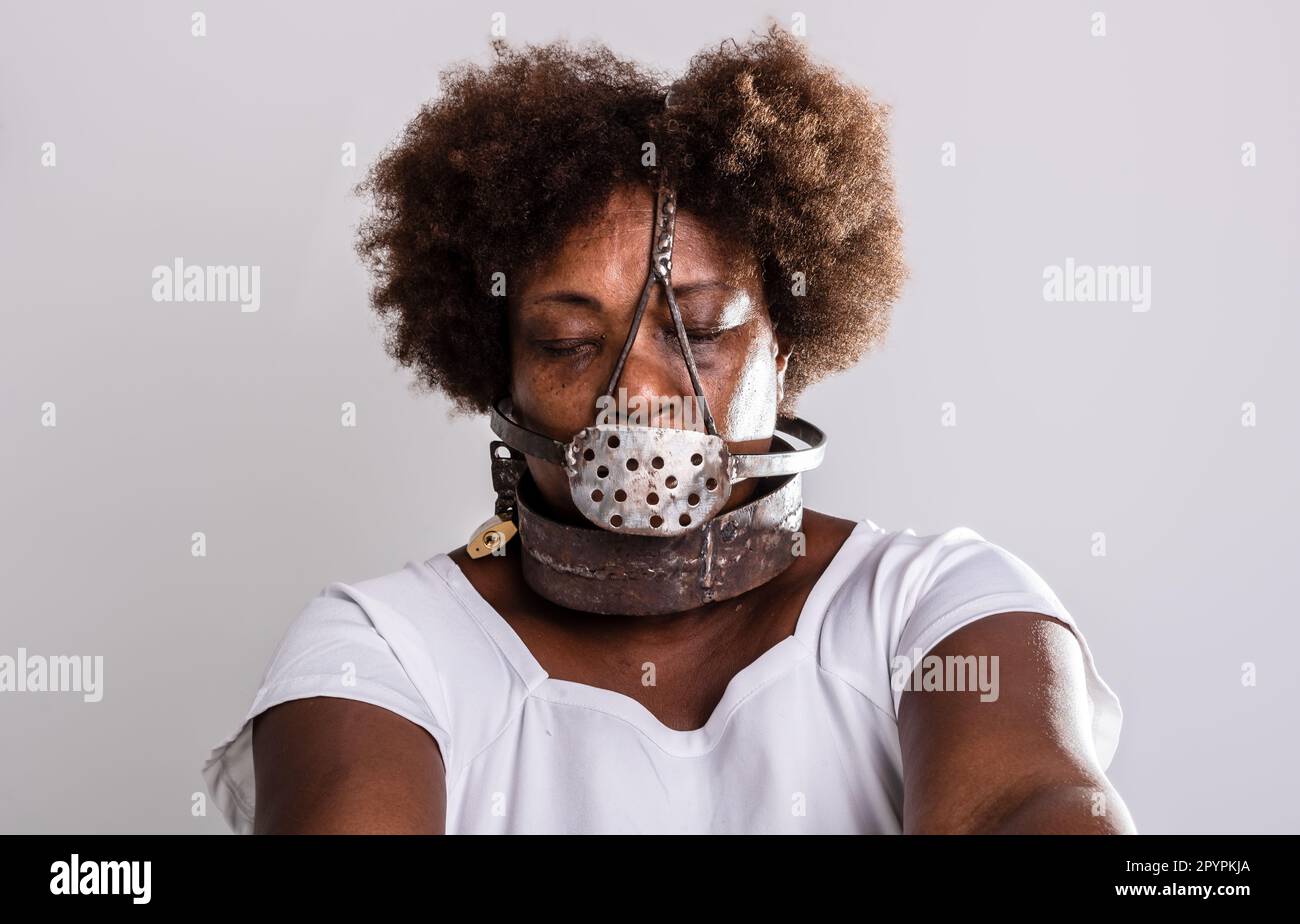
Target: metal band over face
[(657, 481), (661, 270), (664, 542), (629, 465), (651, 480)]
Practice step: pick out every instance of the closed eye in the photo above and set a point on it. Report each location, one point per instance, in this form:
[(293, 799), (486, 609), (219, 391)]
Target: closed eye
[(575, 346), (707, 335), (566, 347)]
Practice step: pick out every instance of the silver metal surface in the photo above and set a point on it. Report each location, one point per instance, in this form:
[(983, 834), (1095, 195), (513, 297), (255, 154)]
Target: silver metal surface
[(648, 481)]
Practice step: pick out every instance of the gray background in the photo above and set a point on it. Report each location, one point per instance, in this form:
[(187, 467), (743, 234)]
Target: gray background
[(1073, 418)]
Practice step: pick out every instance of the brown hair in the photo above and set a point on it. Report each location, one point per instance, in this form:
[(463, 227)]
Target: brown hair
[(761, 143)]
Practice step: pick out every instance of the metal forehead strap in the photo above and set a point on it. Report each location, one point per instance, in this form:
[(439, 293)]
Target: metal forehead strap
[(661, 270)]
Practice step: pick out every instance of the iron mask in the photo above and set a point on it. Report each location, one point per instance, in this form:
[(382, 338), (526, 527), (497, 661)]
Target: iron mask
[(656, 495)]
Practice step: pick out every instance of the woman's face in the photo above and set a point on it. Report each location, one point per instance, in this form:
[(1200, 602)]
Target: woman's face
[(568, 321)]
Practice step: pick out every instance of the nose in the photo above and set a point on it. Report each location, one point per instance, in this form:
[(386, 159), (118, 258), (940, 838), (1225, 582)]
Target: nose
[(654, 388)]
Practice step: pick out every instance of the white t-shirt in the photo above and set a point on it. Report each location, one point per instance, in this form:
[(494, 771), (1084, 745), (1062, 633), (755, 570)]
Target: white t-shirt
[(805, 739)]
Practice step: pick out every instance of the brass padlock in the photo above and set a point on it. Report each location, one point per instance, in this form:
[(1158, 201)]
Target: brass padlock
[(495, 532)]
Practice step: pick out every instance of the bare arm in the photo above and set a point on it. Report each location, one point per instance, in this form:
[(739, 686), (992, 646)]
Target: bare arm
[(1024, 763), (328, 765)]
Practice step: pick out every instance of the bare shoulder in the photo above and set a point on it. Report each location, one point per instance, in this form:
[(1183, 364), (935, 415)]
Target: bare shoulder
[(330, 765), (1020, 760)]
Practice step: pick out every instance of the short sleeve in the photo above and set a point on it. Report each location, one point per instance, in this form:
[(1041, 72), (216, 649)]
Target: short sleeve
[(965, 578), (332, 648)]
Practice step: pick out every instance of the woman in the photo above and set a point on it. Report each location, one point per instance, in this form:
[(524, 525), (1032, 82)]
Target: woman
[(564, 227)]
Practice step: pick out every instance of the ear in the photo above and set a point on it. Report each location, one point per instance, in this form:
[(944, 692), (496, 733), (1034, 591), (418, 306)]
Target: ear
[(782, 347)]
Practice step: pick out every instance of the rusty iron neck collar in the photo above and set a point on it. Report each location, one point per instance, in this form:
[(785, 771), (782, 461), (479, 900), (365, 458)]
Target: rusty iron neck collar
[(589, 569)]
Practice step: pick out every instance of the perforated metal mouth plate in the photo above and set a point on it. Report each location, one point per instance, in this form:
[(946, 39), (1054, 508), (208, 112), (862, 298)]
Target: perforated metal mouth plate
[(650, 481)]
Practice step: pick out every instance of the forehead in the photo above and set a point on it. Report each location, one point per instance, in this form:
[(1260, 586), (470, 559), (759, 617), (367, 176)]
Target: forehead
[(613, 247)]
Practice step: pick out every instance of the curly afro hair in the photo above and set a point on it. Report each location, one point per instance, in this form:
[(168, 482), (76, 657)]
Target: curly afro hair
[(762, 144)]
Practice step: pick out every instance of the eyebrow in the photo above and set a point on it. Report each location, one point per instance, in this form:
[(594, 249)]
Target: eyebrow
[(583, 300)]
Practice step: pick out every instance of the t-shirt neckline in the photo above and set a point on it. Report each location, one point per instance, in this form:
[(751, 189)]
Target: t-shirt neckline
[(768, 666)]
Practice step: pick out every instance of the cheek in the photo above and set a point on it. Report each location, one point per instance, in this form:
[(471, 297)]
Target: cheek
[(743, 398), (545, 402), (547, 397)]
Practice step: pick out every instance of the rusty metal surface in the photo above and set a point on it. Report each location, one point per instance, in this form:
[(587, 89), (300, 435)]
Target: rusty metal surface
[(597, 571), (508, 466)]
